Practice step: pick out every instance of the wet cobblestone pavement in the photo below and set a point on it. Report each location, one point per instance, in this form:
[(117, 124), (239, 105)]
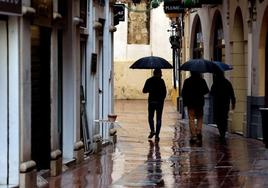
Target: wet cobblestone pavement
[(173, 162)]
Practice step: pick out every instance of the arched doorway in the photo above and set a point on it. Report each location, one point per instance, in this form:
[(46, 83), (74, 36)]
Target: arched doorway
[(198, 47), (238, 75), (217, 51), (40, 96), (197, 51), (218, 39)]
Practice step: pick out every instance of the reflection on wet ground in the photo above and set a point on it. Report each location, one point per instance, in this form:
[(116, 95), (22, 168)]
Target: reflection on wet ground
[(173, 162)]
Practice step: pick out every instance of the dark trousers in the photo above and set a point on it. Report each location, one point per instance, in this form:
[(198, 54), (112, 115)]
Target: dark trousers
[(221, 119), (153, 107)]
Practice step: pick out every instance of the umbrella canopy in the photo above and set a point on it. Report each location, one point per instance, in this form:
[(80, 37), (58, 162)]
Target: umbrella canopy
[(203, 65), (223, 66), (151, 62)]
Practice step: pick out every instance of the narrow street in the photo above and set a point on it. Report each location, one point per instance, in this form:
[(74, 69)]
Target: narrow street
[(136, 162)]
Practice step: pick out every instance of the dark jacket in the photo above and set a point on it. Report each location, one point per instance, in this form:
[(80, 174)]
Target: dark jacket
[(193, 91), (222, 93), (156, 88)]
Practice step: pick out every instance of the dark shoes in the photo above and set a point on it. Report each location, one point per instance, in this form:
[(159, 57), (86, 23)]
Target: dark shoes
[(196, 139), (222, 136), (199, 136), (222, 139), (193, 139), (151, 135)]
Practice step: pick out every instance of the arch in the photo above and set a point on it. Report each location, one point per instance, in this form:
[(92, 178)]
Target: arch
[(217, 42), (239, 74), (263, 58), (197, 50)]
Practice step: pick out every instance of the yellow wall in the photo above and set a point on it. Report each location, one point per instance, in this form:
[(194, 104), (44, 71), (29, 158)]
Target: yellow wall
[(128, 83)]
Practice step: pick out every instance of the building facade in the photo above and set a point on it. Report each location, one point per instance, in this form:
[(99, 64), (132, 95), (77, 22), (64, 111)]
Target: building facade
[(56, 80), (234, 32)]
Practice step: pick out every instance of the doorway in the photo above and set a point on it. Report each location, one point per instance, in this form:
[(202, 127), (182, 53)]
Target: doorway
[(40, 90), (4, 155), (100, 88), (266, 70), (60, 90)]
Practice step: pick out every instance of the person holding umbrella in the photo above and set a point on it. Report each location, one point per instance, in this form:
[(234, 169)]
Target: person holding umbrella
[(156, 88), (223, 93), (193, 91), (195, 88)]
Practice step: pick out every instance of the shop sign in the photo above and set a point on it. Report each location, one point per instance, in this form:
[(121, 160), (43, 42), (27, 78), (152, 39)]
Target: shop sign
[(119, 13), (10, 7), (44, 12), (213, 2), (173, 7), (192, 3), (178, 6)]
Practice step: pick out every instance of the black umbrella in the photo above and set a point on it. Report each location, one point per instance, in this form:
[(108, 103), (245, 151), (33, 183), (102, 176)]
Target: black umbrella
[(203, 65), (223, 66), (151, 62)]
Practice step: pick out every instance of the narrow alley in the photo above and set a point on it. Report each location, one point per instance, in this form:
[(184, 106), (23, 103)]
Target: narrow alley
[(136, 162)]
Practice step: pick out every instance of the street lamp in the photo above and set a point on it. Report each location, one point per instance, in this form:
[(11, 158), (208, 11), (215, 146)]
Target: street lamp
[(175, 39)]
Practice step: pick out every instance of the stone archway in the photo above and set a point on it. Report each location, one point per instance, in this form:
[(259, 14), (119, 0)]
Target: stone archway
[(197, 42), (238, 75), (217, 38)]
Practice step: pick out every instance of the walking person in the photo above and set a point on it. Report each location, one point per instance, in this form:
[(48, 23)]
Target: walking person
[(193, 91), (223, 94), (156, 88)]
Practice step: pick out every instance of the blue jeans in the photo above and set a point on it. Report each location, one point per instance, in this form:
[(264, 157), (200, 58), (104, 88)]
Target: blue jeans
[(155, 106)]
